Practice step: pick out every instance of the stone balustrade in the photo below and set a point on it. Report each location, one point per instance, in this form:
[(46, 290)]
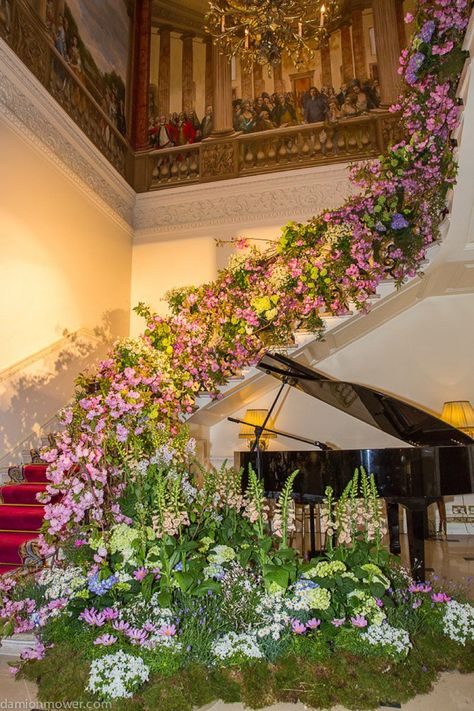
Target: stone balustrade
[(278, 149)]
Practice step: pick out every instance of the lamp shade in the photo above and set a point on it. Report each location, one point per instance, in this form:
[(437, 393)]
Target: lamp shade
[(255, 418), (460, 414)]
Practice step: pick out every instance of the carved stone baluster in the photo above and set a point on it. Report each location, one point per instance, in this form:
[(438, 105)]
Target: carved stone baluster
[(306, 147), (174, 169), (193, 164), (271, 153), (164, 170)]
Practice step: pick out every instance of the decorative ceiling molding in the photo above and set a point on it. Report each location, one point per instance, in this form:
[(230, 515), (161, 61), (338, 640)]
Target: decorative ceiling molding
[(293, 195), (177, 17), (29, 109)]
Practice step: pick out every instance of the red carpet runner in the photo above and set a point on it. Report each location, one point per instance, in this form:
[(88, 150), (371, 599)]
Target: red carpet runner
[(20, 515)]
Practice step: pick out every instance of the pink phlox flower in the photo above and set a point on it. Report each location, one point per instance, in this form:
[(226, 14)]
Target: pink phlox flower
[(359, 621), (92, 617), (106, 640), (298, 627), (121, 626), (136, 636), (110, 614), (440, 597), (167, 630)]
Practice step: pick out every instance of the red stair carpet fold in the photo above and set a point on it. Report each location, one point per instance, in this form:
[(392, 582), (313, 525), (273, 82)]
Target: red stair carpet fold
[(21, 515)]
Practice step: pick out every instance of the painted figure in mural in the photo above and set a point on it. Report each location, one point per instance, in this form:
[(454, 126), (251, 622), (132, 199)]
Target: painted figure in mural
[(75, 57), (263, 121), (60, 41), (334, 112), (316, 106), (207, 124), (185, 132), (6, 15), (191, 116), (162, 134), (247, 118)]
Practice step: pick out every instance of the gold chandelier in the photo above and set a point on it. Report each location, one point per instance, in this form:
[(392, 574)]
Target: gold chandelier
[(260, 31)]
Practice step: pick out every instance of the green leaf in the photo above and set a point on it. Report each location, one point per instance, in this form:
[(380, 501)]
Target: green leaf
[(184, 580), (275, 574)]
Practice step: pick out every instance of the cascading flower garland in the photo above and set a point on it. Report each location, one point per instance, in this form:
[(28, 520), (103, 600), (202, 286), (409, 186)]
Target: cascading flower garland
[(333, 262)]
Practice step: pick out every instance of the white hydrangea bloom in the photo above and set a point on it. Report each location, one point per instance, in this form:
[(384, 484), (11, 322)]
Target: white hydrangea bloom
[(273, 616), (231, 644), (221, 554), (117, 676), (387, 636), (458, 621), (61, 582)]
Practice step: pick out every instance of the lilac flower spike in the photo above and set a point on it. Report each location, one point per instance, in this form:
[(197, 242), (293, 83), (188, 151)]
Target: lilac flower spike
[(359, 621)]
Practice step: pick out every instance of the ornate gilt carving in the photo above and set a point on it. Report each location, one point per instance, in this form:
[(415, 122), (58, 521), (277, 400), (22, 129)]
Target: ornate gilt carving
[(218, 160)]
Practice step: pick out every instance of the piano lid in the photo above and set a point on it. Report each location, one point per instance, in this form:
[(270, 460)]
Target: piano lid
[(385, 412)]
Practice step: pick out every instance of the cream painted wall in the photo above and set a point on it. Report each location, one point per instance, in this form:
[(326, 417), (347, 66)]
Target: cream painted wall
[(65, 265)]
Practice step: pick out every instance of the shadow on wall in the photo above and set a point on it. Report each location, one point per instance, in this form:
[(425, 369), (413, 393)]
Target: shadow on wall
[(33, 391)]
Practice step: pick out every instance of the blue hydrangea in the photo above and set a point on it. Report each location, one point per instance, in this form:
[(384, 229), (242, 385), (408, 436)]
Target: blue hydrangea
[(100, 587), (415, 62)]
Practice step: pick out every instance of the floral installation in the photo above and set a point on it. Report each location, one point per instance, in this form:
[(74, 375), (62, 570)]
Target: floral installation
[(133, 611), (172, 586)]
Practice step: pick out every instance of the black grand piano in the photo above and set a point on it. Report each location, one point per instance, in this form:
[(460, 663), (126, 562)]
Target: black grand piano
[(439, 463)]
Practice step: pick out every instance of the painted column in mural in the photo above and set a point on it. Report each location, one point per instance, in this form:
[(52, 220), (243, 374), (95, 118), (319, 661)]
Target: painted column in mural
[(246, 83), (164, 69), (258, 80), (402, 38), (222, 103), (278, 83), (388, 48), (326, 72), (187, 80), (346, 49), (358, 44), (208, 85), (141, 74)]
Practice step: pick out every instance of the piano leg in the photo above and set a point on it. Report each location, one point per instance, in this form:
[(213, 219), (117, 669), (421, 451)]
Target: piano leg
[(393, 527), (417, 525)]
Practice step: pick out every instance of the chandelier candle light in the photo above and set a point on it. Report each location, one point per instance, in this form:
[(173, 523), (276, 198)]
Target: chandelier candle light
[(261, 31)]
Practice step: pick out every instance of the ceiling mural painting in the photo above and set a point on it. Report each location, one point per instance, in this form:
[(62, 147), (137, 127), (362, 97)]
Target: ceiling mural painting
[(337, 78), (98, 59)]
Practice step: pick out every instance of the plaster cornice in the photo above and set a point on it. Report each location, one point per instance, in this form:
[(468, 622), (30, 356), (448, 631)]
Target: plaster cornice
[(29, 110), (257, 199)]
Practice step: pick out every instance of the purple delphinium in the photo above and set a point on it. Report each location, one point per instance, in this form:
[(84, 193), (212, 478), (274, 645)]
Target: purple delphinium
[(427, 31), (398, 221), (414, 63)]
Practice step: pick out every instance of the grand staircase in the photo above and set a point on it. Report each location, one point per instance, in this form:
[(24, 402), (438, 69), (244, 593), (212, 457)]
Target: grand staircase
[(21, 517)]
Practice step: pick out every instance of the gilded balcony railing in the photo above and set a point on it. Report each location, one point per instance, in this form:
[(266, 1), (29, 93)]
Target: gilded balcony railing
[(267, 151), (24, 33)]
